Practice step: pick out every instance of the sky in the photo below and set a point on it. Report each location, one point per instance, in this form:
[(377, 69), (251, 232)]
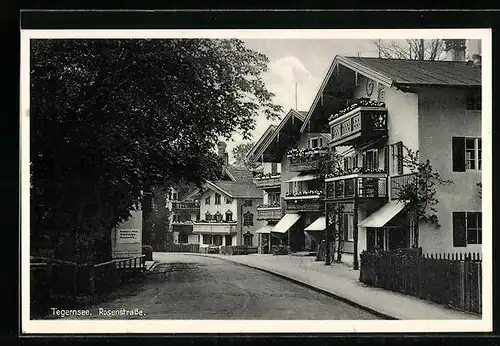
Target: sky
[(304, 62)]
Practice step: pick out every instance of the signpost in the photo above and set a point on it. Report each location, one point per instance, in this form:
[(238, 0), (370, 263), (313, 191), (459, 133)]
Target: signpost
[(127, 237)]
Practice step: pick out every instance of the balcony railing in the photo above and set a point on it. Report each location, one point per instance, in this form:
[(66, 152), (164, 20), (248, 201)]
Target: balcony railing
[(359, 125), (364, 185), (186, 227), (308, 162), (186, 205), (399, 181), (268, 181), (269, 213), (304, 203), (214, 227)]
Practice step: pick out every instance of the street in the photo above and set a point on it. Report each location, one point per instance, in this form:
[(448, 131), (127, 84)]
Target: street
[(197, 287)]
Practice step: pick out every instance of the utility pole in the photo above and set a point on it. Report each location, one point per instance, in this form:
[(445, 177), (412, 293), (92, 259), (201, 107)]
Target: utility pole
[(378, 46), (296, 96)]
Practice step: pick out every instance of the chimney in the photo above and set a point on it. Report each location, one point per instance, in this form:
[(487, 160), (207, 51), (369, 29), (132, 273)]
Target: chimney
[(221, 146)]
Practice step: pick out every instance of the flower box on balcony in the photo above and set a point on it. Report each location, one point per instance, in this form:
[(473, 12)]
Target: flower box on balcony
[(358, 123)]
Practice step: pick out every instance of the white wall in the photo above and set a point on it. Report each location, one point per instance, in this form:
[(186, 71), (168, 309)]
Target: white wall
[(267, 167), (443, 115), (212, 208)]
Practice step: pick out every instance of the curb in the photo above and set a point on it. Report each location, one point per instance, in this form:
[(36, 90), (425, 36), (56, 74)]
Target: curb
[(309, 286)]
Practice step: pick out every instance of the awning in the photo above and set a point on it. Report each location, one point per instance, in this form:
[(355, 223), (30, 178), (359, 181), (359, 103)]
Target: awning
[(285, 223), (318, 225), (302, 177), (383, 215), (265, 229)]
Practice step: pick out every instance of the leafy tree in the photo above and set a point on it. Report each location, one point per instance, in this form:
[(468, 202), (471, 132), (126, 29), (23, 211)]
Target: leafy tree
[(411, 49), (240, 156), (419, 192), (113, 118)]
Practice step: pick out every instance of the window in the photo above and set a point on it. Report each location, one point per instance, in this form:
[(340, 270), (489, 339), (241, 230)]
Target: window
[(174, 196), (473, 103), (320, 142), (348, 226), (208, 216), (229, 201), (274, 168), (207, 200), (218, 217), (229, 216), (217, 199), (248, 239), (274, 198), (207, 239), (396, 158), (248, 219), (370, 158), (216, 239), (183, 237), (467, 229), (466, 154), (381, 93), (313, 142), (350, 162), (247, 203)]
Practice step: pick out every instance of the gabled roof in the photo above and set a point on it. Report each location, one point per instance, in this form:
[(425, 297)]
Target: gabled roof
[(401, 72), (191, 194), (268, 137), (238, 174), (258, 145), (235, 189)]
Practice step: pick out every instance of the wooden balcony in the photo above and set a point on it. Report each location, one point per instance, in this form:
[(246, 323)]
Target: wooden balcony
[(362, 186), (307, 163), (186, 227), (305, 203), (399, 181), (359, 126), (186, 205), (214, 227), (268, 182), (269, 213)]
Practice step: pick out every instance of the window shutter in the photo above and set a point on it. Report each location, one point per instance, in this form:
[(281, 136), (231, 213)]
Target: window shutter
[(386, 159), (459, 230), (364, 160), (355, 160), (458, 154), (274, 168), (400, 157)]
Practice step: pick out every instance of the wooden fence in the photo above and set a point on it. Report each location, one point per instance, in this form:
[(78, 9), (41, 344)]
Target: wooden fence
[(450, 279), (61, 280), (182, 248)]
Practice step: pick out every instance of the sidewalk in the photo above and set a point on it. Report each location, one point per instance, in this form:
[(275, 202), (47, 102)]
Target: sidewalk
[(342, 281)]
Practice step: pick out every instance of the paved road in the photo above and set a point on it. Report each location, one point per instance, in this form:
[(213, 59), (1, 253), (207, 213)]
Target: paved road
[(208, 288)]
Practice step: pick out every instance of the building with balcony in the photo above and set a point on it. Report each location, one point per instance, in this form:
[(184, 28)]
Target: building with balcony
[(290, 163), (374, 109)]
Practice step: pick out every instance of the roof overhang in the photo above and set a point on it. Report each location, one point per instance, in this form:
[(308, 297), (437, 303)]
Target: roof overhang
[(214, 187), (354, 66), (266, 140)]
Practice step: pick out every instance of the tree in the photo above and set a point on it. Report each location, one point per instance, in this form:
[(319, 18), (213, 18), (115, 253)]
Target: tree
[(240, 152), (419, 192), (411, 49), (480, 189), (113, 118)]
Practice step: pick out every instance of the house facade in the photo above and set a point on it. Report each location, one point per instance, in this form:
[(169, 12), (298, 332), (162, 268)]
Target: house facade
[(291, 183), (220, 213), (377, 108)]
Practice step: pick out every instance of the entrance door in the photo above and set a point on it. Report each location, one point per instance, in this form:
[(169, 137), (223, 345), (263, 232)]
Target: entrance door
[(228, 240), (376, 238)]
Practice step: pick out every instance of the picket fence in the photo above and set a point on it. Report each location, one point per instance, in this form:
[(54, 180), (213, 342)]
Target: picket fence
[(454, 280)]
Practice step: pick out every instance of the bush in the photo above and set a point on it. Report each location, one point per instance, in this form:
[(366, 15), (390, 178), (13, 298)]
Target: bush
[(279, 250), (148, 251)]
